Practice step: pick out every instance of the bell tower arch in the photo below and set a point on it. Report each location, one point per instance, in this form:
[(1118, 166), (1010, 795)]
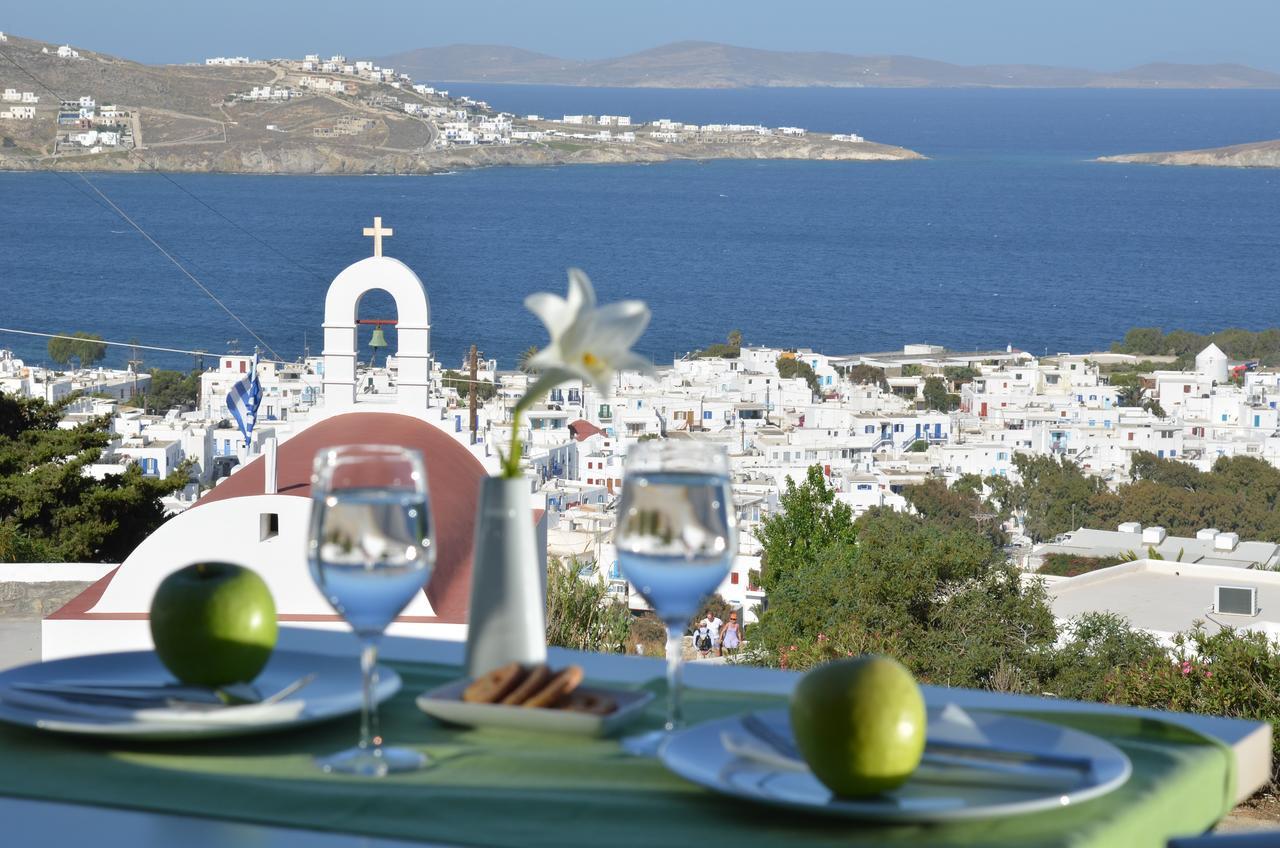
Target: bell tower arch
[(413, 326)]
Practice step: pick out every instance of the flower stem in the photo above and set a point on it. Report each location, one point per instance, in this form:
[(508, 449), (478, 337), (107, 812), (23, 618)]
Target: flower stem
[(548, 381)]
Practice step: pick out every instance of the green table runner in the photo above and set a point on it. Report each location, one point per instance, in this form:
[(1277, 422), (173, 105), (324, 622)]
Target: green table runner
[(504, 788)]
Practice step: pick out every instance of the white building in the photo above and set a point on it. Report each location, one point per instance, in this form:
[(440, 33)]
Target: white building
[(1165, 598)]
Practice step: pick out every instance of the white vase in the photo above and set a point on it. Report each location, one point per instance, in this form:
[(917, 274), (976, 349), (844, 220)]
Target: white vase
[(507, 620)]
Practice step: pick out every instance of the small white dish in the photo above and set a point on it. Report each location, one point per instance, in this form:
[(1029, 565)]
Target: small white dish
[(334, 692), (445, 704), (700, 755)]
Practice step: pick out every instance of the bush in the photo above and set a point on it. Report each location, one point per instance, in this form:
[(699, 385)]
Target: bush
[(1070, 565), (581, 614), (461, 384)]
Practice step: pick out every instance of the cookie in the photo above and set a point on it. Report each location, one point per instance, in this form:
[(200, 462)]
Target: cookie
[(493, 687), (589, 702), (533, 682), (561, 683)]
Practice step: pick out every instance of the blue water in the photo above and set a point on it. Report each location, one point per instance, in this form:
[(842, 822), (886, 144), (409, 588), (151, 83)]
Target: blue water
[(1008, 234)]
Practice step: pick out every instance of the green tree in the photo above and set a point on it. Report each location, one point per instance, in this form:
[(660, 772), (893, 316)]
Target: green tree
[(169, 390), (958, 507), (789, 366), (912, 370), (960, 374), (86, 349), (580, 612), (1055, 496), (522, 362), (936, 396), (941, 599), (735, 338), (867, 375), (52, 510), (461, 384), (1142, 341), (1129, 394)]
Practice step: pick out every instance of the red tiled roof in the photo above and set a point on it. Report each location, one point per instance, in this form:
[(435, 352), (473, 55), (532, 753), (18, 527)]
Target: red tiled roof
[(453, 475), (581, 430)]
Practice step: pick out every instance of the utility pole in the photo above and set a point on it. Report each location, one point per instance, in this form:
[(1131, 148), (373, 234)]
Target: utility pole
[(475, 421), (134, 362)]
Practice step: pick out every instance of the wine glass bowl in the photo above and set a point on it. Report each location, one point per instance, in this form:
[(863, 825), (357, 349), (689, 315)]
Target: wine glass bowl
[(370, 551), (676, 537)]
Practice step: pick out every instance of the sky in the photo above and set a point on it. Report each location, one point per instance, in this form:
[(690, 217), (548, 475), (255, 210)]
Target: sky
[(1096, 34)]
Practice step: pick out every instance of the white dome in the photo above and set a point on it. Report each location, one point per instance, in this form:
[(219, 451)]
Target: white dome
[(1212, 362)]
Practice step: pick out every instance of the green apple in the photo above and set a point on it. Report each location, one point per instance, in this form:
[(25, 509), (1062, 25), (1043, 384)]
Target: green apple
[(860, 724), (213, 624)]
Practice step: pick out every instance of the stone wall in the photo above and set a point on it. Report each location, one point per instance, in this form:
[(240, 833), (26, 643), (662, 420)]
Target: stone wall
[(22, 600)]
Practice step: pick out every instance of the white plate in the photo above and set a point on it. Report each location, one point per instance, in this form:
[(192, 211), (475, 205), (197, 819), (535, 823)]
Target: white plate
[(699, 755), (445, 703), (334, 692)]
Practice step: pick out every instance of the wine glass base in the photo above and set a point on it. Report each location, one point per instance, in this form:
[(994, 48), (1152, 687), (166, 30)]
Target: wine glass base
[(645, 744), (373, 762)]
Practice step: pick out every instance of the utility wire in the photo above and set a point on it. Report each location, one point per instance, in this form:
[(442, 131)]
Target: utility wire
[(100, 341), (143, 232), (133, 153), (180, 266)]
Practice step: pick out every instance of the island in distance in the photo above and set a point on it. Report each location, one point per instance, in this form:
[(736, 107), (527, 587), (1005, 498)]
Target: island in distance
[(1258, 154), (95, 112), (700, 64)]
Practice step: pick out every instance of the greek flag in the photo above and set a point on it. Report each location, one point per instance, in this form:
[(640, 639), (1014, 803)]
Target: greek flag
[(243, 400)]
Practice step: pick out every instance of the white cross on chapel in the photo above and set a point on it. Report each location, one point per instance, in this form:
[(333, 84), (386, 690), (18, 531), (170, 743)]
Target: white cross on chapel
[(378, 232)]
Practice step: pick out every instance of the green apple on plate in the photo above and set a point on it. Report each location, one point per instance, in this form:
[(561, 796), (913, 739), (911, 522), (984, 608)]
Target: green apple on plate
[(860, 724), (213, 624)]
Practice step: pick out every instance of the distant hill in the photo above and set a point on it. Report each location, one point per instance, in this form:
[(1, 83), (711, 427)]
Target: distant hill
[(210, 118), (700, 64), (1259, 154)]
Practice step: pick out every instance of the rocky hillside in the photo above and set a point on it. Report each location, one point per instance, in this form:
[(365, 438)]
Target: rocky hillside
[(202, 119), (1260, 154)]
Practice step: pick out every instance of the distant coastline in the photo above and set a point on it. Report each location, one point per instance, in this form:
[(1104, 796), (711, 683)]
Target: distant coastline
[(1260, 154), (85, 111), (698, 64)]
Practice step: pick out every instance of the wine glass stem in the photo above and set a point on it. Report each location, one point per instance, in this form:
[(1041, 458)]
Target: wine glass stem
[(370, 738), (675, 682)]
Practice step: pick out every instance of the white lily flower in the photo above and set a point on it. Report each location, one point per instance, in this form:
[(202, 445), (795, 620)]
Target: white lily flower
[(588, 342)]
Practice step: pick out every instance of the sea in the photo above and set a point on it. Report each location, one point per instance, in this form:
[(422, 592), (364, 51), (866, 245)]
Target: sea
[(1008, 234)]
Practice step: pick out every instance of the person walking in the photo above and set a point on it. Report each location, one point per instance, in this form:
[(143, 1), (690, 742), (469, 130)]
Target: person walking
[(730, 635), (703, 641), (713, 624)]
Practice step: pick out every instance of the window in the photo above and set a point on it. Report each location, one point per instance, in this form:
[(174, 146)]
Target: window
[(1186, 390), (706, 415), (268, 526), (1002, 456), (1131, 435), (733, 578)]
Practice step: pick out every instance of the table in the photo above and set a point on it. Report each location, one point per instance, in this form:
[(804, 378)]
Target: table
[(69, 824)]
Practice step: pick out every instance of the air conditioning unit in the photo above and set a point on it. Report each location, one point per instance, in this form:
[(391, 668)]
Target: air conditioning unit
[(1235, 600), (1153, 535)]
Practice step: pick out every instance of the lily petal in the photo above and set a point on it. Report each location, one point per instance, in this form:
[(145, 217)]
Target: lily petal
[(622, 322), (552, 310)]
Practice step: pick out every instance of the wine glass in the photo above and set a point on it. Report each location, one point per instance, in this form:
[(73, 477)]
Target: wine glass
[(676, 538), (370, 552)]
